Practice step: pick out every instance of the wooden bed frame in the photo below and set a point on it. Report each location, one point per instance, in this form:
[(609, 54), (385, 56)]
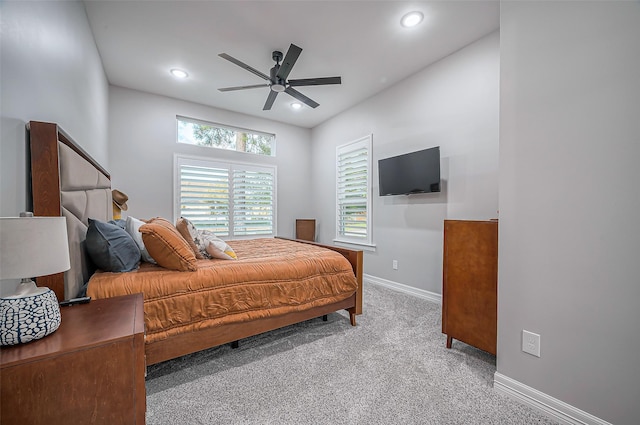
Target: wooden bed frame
[(46, 198)]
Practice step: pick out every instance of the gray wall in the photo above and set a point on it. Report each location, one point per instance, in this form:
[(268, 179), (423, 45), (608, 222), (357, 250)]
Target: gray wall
[(50, 71), (569, 265), (142, 143), (452, 104)]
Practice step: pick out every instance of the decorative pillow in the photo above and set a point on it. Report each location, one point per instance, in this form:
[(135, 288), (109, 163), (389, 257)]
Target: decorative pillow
[(120, 223), (111, 248), (190, 234), (216, 247), (132, 227), (167, 246)]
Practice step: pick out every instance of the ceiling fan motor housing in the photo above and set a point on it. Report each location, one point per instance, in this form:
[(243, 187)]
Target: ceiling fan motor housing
[(277, 84)]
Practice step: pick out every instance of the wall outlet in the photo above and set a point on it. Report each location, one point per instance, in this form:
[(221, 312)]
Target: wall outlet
[(531, 343), (395, 265)]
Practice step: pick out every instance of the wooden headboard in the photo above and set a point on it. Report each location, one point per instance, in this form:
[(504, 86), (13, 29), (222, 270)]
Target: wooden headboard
[(66, 181)]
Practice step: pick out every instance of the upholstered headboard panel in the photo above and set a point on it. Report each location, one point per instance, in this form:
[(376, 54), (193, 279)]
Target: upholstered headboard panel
[(84, 193), (67, 182)]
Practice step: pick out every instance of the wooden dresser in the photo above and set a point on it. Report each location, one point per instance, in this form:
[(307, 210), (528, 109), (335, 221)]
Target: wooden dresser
[(90, 371), (470, 283)]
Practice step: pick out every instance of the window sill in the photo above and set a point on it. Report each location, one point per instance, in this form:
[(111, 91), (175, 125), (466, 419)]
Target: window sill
[(355, 245)]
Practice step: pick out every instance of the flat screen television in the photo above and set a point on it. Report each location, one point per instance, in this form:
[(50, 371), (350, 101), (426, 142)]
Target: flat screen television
[(415, 172)]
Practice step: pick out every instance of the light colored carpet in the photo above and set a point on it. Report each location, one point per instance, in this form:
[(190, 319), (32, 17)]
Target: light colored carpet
[(393, 368)]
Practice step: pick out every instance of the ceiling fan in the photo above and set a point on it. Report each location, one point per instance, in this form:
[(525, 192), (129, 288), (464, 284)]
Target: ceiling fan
[(277, 80)]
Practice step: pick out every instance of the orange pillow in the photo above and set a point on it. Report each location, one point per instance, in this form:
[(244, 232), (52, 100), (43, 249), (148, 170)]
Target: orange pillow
[(182, 224), (167, 246)]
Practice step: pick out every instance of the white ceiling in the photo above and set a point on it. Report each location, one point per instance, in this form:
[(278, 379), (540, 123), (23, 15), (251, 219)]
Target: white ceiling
[(361, 41)]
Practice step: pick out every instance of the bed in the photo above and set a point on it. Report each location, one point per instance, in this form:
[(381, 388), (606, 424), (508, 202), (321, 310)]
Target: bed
[(222, 301)]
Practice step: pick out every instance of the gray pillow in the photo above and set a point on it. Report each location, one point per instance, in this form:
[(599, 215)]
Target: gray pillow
[(132, 227), (111, 248)]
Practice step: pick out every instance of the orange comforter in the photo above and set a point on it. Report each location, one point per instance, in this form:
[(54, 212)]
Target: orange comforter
[(270, 277)]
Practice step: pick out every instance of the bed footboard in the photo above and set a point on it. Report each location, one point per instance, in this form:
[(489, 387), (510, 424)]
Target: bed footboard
[(353, 256), (187, 343)]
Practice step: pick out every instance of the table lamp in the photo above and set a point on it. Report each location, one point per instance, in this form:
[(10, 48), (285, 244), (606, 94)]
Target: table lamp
[(30, 247)]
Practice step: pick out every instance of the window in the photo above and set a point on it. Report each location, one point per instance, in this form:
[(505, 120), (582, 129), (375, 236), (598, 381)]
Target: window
[(201, 133), (231, 199), (353, 180)]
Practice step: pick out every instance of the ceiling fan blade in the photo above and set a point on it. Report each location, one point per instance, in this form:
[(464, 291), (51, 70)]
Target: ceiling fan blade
[(302, 98), (315, 81), (255, 86), (244, 65), (289, 60), (270, 99)]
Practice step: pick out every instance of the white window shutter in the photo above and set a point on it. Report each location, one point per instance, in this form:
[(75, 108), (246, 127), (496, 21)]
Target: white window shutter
[(253, 202), (353, 162), (231, 199), (204, 197)]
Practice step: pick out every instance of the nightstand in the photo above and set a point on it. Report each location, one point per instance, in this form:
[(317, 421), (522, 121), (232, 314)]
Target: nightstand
[(90, 371)]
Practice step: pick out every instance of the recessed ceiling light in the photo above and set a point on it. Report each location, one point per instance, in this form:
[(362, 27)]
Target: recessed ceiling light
[(411, 19), (178, 73), (296, 105)]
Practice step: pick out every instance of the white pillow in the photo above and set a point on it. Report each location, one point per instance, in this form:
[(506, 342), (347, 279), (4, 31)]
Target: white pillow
[(216, 247), (132, 227)]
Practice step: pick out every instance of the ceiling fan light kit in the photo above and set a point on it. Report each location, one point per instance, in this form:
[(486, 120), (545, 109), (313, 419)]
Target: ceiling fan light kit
[(277, 78)]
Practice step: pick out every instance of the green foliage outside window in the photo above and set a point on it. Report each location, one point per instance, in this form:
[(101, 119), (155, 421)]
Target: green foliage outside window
[(201, 134)]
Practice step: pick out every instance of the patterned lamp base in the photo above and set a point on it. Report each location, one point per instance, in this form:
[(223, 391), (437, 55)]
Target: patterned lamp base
[(28, 318)]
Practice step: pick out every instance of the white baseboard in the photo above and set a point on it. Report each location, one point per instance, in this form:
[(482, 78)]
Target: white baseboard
[(549, 406), (420, 293)]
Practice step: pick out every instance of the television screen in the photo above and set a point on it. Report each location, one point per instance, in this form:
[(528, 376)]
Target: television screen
[(415, 172)]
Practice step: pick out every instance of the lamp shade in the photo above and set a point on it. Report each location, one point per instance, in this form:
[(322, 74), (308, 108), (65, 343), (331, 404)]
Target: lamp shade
[(33, 246), (30, 247)]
